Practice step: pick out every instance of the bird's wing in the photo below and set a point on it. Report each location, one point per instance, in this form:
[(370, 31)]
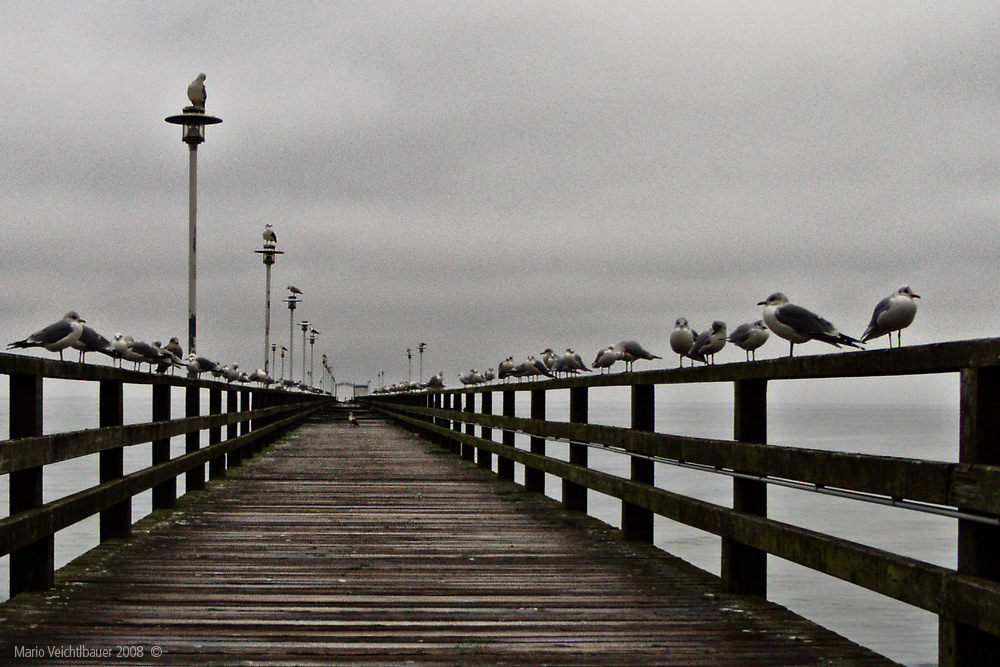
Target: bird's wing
[(881, 308), (803, 321)]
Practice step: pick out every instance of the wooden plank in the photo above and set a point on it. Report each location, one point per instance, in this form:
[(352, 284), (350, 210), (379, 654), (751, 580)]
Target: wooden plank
[(368, 546)]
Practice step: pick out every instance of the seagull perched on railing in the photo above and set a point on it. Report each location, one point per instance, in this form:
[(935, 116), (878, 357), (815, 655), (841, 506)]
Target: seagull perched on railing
[(607, 357), (196, 92), (682, 338), (893, 313), (798, 325), (748, 337), (56, 337), (709, 342), (91, 341), (632, 351)]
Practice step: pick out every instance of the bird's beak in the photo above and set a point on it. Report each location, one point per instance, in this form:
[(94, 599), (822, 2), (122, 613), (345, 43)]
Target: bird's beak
[(761, 303), (915, 296)]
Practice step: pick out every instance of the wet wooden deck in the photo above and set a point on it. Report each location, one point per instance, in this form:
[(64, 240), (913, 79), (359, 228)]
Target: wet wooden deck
[(368, 546)]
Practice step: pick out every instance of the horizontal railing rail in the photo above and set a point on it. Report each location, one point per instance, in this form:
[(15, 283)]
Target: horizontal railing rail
[(251, 416), (967, 599)]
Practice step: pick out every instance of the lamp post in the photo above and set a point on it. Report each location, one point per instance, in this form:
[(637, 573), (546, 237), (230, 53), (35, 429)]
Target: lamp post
[(312, 353), (283, 350), (193, 121), (267, 253), (409, 365), (420, 349), (305, 327), (292, 301), (274, 347)]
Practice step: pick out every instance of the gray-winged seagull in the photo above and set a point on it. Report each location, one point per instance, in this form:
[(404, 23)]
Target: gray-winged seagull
[(748, 337), (56, 337), (893, 313), (682, 338), (798, 325), (196, 92), (709, 342)]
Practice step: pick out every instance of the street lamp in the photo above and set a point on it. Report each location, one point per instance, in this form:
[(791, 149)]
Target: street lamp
[(267, 253), (312, 353), (274, 347), (292, 301), (283, 350), (193, 121), (305, 326), (409, 365), (420, 349)]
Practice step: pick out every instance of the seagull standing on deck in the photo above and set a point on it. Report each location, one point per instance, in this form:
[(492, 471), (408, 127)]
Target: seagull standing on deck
[(893, 313), (798, 325), (196, 92), (56, 337)]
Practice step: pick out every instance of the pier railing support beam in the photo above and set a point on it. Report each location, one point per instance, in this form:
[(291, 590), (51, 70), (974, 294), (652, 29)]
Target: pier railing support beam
[(468, 451), (115, 521), (978, 544), (484, 458), (534, 479), (575, 495), (505, 466), (637, 522), (165, 494), (744, 569), (217, 466), (194, 479), (32, 568)]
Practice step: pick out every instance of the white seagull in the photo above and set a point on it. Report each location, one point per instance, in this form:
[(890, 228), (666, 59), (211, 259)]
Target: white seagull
[(798, 325), (748, 337), (709, 342), (196, 92), (570, 362), (682, 338), (893, 313), (607, 357), (270, 238), (56, 337)]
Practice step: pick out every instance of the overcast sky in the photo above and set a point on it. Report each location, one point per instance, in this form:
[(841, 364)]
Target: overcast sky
[(495, 178)]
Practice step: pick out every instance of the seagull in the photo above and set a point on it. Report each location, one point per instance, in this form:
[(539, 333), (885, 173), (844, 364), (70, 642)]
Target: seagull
[(475, 377), (294, 290), (91, 341), (607, 357), (570, 362), (175, 352), (709, 342), (549, 357), (489, 375), (505, 367), (148, 354), (56, 337), (196, 92), (749, 337), (351, 419), (682, 338), (270, 238), (893, 313), (631, 350), (436, 381), (798, 325), (197, 365)]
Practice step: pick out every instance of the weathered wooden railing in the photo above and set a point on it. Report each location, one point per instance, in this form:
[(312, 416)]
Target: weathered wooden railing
[(967, 600), (252, 418)]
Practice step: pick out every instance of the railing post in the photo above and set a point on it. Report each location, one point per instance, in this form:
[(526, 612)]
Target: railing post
[(505, 466), (248, 450), (637, 522), (468, 451), (194, 479), (32, 568), (978, 544), (744, 569), (232, 430), (484, 458), (534, 479), (575, 495), (165, 494), (456, 425), (217, 466), (115, 521)]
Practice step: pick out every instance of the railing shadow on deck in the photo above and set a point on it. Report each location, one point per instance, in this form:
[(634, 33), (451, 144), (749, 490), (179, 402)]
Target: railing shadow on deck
[(966, 600), (252, 417)]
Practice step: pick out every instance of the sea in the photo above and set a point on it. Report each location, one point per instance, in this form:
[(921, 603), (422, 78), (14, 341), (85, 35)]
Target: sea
[(905, 417)]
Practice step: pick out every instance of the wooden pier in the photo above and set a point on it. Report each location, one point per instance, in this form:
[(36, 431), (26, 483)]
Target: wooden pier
[(367, 545)]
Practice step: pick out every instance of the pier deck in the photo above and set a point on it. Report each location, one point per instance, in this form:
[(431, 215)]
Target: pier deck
[(368, 546)]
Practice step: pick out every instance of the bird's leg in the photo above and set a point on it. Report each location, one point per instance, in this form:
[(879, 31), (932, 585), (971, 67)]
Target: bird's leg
[(791, 349)]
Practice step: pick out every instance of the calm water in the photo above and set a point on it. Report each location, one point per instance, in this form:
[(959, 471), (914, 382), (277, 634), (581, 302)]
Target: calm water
[(896, 418)]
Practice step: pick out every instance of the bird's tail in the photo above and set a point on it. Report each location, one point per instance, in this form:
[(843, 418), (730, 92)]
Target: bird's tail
[(839, 339)]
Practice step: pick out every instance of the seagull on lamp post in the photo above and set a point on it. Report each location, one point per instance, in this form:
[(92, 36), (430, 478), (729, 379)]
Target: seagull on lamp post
[(270, 238), (196, 92), (294, 290)]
